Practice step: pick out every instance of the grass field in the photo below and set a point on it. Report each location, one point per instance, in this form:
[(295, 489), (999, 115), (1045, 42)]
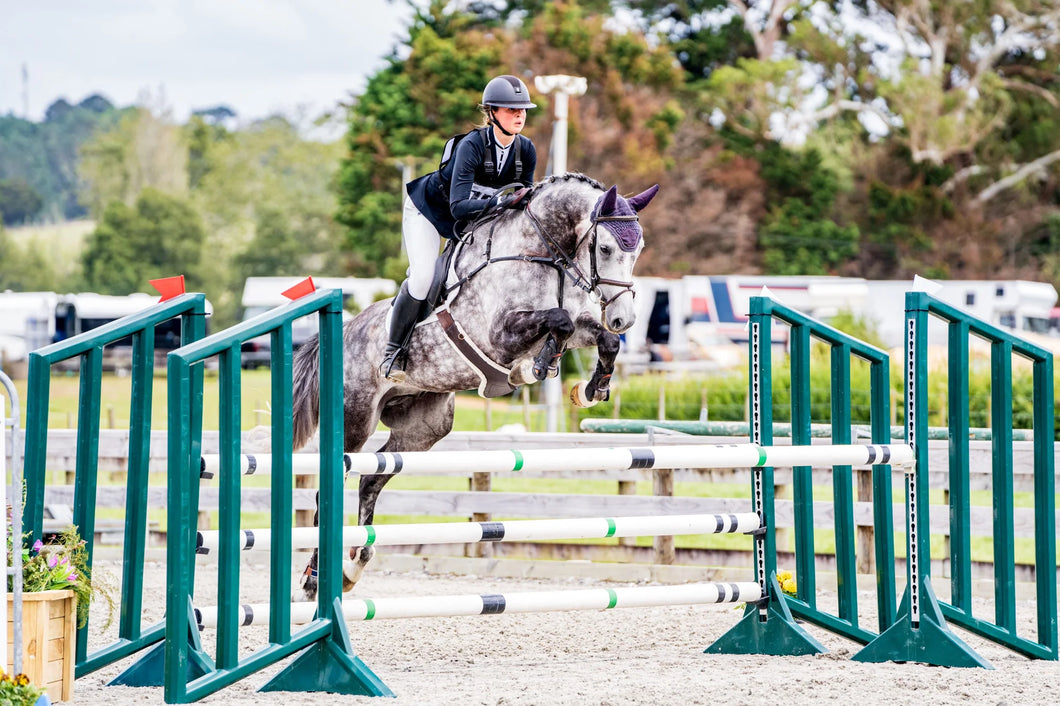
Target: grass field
[(62, 242)]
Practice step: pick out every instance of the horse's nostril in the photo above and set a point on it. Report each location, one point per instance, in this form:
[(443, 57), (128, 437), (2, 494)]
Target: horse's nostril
[(618, 324)]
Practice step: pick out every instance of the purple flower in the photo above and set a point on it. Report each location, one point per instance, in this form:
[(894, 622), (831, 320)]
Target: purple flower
[(38, 545), (52, 561), (71, 578)]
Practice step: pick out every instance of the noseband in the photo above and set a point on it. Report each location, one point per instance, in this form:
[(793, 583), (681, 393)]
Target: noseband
[(567, 263)]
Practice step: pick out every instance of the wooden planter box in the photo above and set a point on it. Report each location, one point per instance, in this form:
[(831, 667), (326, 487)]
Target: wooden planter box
[(49, 638)]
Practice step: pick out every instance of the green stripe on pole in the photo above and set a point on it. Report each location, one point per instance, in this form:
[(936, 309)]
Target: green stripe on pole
[(761, 456), (610, 527), (612, 598), (369, 609), (370, 539), (518, 461)]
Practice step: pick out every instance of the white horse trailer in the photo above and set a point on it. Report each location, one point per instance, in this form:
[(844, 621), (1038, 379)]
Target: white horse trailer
[(263, 293)]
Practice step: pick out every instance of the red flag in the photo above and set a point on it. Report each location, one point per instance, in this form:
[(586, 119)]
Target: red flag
[(301, 289), (168, 287)]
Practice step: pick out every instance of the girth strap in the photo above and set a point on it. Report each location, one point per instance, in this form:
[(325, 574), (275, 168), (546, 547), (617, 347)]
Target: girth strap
[(493, 378)]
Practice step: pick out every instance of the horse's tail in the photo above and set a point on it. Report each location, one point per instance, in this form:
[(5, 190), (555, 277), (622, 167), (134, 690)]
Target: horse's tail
[(306, 392)]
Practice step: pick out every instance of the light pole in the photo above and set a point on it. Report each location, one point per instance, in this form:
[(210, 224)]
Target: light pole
[(562, 87)]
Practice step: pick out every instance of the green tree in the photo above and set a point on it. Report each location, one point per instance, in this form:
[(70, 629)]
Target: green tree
[(160, 236), (140, 151), (406, 113), (24, 269), (266, 198), (45, 155), (19, 201)]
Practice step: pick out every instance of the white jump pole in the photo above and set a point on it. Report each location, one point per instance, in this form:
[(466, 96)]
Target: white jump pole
[(495, 604), (513, 531), (591, 459)]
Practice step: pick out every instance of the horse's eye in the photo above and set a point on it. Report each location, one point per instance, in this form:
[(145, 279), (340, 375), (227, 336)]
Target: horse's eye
[(605, 250)]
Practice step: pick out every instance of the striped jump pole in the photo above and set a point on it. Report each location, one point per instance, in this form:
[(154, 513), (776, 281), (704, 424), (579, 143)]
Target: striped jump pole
[(514, 531), (495, 604), (591, 459)]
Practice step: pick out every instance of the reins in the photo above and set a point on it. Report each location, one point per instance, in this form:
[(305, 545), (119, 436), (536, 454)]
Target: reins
[(565, 263)]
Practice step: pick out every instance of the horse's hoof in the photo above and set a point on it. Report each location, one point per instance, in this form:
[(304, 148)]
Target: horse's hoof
[(300, 595), (578, 398), (522, 374)]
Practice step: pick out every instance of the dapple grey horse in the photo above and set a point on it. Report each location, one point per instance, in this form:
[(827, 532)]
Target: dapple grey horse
[(524, 285)]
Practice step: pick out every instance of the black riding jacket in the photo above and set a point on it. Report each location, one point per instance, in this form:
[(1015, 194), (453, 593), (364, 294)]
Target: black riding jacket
[(460, 189)]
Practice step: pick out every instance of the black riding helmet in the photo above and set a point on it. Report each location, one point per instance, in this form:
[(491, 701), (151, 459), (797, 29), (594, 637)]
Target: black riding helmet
[(506, 92)]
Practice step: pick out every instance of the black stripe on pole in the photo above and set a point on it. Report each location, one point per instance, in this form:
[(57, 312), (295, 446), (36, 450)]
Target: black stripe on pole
[(198, 618), (734, 592), (873, 454), (203, 473), (492, 531), (199, 548), (347, 462), (719, 523), (492, 604), (642, 458), (886, 454), (398, 463), (249, 535), (248, 614), (252, 464), (380, 463)]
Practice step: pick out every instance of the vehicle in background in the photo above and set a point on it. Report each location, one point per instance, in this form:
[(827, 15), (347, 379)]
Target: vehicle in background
[(32, 320), (701, 321), (685, 322), (27, 322), (260, 294), (78, 313), (1017, 305)]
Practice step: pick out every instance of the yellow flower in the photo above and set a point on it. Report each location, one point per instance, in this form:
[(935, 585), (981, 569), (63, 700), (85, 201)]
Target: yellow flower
[(783, 576), (788, 586), (22, 680)]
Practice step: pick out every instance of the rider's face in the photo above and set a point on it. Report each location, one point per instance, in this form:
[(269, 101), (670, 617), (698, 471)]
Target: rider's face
[(511, 119)]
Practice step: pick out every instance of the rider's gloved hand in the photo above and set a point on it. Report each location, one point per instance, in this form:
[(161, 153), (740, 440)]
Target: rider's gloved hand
[(512, 200), (515, 199)]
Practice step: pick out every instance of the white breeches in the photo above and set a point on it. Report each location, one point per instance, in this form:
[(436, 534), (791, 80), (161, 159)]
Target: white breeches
[(422, 242)]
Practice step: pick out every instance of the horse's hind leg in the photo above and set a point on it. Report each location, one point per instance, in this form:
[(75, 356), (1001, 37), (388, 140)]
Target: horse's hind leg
[(360, 420), (417, 422)]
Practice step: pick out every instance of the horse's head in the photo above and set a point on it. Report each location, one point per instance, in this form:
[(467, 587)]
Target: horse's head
[(593, 238), (615, 241)]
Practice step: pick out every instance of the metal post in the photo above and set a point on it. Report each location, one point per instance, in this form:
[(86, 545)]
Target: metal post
[(563, 87)]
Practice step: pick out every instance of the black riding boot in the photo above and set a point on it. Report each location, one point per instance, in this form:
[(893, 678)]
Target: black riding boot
[(407, 312)]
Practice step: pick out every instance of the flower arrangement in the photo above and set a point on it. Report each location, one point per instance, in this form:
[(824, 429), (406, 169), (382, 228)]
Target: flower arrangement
[(786, 579), (62, 565), (18, 691)]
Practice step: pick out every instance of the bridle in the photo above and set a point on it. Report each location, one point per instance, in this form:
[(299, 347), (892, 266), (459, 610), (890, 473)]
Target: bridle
[(569, 266)]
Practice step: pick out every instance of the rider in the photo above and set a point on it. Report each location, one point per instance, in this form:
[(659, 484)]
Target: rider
[(459, 190)]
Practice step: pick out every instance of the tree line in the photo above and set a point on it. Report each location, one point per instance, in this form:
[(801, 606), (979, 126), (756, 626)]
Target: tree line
[(876, 139)]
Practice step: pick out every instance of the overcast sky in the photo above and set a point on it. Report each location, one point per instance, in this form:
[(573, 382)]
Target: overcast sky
[(256, 56)]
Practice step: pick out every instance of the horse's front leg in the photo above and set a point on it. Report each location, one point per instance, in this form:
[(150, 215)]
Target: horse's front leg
[(517, 332), (598, 388)]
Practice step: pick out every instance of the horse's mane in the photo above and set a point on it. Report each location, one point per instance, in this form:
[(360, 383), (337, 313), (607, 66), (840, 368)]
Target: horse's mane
[(547, 182)]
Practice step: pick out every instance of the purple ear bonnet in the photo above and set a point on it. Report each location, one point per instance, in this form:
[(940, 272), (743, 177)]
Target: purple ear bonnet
[(627, 233)]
